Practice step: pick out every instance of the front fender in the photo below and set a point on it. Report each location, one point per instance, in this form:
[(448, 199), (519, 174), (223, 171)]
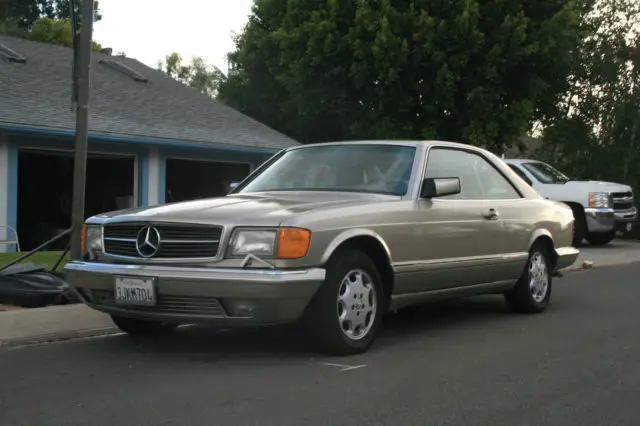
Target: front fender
[(353, 233), (540, 232)]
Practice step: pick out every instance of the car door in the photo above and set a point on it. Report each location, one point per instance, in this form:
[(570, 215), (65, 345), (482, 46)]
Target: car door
[(514, 213), (457, 234)]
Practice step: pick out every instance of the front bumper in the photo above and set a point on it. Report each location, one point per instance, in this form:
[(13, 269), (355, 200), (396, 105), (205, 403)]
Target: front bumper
[(566, 256), (600, 219), (222, 296), (625, 218)]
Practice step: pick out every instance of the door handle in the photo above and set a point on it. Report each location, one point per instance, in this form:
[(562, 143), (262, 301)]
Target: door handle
[(491, 214)]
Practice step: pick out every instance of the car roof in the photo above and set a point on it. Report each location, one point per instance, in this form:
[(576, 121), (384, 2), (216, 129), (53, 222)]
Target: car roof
[(520, 160), (413, 143)]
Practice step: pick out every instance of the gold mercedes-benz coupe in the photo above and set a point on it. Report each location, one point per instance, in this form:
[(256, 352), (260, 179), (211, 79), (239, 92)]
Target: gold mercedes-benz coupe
[(332, 235)]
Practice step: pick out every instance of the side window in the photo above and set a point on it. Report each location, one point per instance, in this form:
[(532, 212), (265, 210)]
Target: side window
[(443, 162), (478, 178), (494, 185)]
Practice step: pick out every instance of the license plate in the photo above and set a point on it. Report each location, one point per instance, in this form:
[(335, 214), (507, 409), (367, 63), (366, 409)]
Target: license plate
[(629, 227), (135, 291)]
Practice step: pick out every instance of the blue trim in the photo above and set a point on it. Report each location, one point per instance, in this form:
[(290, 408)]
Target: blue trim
[(141, 140), (162, 178), (22, 141), (12, 187), (143, 180), (210, 155)]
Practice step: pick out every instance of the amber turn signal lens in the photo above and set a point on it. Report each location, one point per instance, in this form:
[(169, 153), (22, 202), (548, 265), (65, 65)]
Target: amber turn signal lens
[(83, 239), (293, 243)]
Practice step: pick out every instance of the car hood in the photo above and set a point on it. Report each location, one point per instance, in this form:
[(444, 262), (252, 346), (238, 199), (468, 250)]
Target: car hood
[(598, 185), (251, 209)]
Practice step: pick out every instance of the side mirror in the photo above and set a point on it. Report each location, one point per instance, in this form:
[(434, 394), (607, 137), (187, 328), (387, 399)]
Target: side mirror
[(439, 187), (233, 185)]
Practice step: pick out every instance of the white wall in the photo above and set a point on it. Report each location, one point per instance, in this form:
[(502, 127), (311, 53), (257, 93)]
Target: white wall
[(4, 193), (153, 177)]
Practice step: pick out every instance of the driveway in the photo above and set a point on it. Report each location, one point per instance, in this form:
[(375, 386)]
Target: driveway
[(463, 363)]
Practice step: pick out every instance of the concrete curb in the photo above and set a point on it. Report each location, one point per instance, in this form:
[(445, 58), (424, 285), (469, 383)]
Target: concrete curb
[(58, 337)]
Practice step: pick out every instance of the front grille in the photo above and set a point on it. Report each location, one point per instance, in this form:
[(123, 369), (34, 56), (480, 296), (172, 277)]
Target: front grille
[(177, 241), (622, 200), (183, 305)]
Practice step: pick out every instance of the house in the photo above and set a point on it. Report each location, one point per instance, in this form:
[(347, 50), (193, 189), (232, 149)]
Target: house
[(151, 139)]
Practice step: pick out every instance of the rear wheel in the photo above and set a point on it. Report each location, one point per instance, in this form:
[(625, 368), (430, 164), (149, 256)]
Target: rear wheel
[(142, 328), (345, 315), (532, 292), (600, 238)]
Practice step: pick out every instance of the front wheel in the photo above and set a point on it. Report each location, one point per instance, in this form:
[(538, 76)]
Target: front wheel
[(345, 315), (579, 225), (142, 328), (600, 238), (532, 292)]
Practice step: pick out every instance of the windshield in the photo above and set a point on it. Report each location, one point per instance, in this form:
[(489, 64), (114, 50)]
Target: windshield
[(545, 173), (374, 168)]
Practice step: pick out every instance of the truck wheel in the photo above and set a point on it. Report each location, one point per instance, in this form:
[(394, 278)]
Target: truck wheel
[(580, 225), (600, 238), (142, 328), (345, 314), (532, 292)]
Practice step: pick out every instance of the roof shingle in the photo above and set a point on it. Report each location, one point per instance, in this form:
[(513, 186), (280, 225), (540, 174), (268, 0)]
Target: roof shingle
[(38, 93)]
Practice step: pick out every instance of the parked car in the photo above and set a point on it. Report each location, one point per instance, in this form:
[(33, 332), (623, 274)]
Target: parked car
[(332, 235), (600, 208)]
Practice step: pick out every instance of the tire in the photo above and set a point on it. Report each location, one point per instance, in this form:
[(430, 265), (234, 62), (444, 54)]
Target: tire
[(530, 295), (349, 272), (580, 225), (142, 328), (600, 238)]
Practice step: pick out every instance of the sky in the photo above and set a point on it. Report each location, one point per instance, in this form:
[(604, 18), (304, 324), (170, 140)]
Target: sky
[(148, 30)]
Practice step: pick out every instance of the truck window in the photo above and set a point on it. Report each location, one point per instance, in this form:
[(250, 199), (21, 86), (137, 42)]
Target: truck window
[(545, 173), (520, 173)]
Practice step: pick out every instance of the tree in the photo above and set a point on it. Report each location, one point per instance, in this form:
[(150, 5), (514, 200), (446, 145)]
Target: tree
[(63, 9), (197, 74), (598, 134), (23, 13), (47, 21), (54, 31), (474, 71)]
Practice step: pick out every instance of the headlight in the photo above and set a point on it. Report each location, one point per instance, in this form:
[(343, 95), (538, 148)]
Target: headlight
[(293, 243), (92, 243), (258, 242), (599, 199)]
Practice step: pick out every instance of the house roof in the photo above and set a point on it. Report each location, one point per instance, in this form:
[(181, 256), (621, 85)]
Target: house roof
[(38, 93)]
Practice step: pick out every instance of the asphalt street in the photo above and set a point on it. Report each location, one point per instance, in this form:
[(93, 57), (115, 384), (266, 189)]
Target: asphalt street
[(463, 363)]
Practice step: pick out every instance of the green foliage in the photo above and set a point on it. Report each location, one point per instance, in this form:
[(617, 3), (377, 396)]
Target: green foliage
[(474, 71), (598, 135), (54, 31), (24, 13), (197, 74), (46, 21)]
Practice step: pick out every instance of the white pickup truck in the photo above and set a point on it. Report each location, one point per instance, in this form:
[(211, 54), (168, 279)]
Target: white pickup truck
[(600, 208)]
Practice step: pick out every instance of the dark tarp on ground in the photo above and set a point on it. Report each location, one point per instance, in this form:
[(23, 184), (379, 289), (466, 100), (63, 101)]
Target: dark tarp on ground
[(30, 285)]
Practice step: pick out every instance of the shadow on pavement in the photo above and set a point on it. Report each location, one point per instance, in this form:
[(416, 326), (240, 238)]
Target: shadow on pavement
[(289, 342)]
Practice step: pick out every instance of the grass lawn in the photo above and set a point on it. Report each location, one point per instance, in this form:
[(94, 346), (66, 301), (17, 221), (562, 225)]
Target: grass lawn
[(42, 257)]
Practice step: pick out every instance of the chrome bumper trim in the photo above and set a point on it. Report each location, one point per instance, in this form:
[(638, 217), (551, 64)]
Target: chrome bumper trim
[(214, 274)]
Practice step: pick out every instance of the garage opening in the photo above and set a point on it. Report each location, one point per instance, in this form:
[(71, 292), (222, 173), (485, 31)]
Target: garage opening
[(45, 184), (191, 179)]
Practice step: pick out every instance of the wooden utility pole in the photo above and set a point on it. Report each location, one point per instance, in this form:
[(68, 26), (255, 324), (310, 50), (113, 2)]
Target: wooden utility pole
[(83, 61)]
